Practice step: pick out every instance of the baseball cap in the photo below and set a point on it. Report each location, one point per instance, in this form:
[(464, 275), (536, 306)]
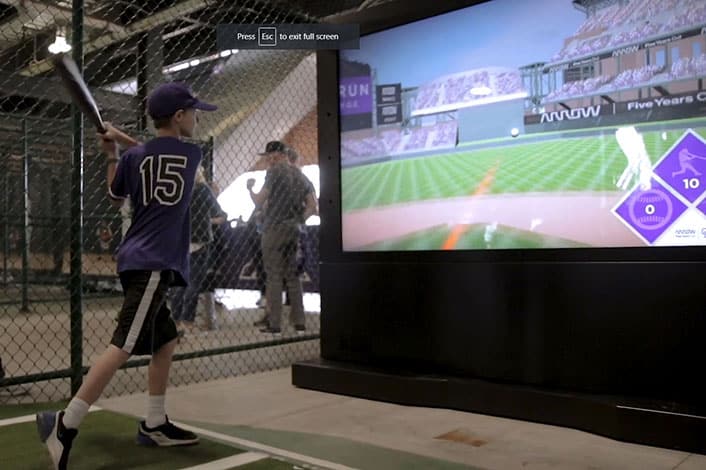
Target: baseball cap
[(168, 98), (274, 146)]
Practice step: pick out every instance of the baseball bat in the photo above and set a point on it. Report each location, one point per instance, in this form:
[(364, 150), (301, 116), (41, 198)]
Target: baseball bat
[(76, 86)]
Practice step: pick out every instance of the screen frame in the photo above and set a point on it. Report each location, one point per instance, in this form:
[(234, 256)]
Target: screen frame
[(380, 18)]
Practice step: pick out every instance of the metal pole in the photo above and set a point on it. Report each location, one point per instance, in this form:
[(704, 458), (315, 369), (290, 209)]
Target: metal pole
[(5, 228), (25, 218), (76, 249)]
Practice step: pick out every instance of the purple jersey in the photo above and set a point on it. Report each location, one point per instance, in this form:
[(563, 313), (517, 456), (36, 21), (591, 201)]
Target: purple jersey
[(158, 177)]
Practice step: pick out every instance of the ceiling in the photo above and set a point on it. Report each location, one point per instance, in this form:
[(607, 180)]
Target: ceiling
[(28, 26), (115, 35)]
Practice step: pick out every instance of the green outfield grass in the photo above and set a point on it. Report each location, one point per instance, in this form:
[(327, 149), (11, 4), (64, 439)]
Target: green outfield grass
[(474, 238), (580, 164)]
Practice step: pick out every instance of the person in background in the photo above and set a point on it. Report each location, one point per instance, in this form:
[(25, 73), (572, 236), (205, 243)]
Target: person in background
[(293, 158), (205, 211), (287, 200), (254, 227), (208, 294)]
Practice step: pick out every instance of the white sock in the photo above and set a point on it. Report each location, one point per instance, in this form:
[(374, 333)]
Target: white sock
[(75, 412), (156, 414)]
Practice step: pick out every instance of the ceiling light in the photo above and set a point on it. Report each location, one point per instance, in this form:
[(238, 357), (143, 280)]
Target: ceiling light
[(59, 45)]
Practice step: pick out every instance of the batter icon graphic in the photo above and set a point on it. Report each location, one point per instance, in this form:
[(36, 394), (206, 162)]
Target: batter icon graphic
[(683, 167), (685, 159)]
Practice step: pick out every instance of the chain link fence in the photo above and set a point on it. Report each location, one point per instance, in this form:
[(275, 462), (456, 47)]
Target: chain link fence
[(59, 232)]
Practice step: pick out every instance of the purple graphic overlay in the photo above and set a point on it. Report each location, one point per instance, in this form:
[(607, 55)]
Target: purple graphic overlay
[(702, 206), (650, 212), (684, 167), (355, 95)]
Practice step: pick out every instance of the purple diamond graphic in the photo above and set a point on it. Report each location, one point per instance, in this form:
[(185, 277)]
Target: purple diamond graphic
[(684, 167), (650, 212), (702, 206)]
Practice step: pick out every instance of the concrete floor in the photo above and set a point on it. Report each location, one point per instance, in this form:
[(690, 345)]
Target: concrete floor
[(366, 434)]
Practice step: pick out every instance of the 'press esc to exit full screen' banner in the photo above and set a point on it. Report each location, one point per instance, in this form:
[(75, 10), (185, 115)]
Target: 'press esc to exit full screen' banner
[(288, 36)]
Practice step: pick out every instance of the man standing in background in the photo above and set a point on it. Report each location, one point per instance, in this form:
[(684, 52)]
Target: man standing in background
[(288, 200)]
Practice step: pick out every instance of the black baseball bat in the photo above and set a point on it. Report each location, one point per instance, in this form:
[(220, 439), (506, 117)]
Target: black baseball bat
[(76, 86)]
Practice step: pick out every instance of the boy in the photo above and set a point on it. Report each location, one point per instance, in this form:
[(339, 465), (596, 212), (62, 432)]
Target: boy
[(158, 177)]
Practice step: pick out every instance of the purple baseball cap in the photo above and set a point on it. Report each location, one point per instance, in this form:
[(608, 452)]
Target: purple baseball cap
[(168, 98)]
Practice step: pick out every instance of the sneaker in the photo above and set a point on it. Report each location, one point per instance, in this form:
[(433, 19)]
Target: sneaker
[(165, 435), (269, 329), (300, 328), (57, 438)]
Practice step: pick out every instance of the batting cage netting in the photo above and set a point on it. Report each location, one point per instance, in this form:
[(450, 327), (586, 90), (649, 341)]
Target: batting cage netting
[(59, 231)]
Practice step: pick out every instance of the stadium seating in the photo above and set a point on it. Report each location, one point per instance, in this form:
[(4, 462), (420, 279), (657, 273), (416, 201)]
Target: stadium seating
[(615, 26), (445, 135), (365, 147), (391, 141), (688, 67), (399, 141), (418, 138), (456, 89), (628, 79), (635, 77), (578, 88)]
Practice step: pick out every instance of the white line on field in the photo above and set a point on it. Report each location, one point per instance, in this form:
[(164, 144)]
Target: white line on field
[(265, 448), (30, 418), (230, 462)]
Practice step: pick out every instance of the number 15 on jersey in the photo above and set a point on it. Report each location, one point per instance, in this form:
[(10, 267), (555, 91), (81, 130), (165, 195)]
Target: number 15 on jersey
[(161, 177)]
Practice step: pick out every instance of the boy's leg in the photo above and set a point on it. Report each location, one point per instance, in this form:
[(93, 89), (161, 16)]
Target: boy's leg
[(158, 371), (58, 430), (99, 375), (144, 293), (156, 430), (157, 380)]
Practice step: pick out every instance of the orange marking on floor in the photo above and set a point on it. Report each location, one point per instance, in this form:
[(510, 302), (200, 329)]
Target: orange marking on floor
[(460, 229)]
